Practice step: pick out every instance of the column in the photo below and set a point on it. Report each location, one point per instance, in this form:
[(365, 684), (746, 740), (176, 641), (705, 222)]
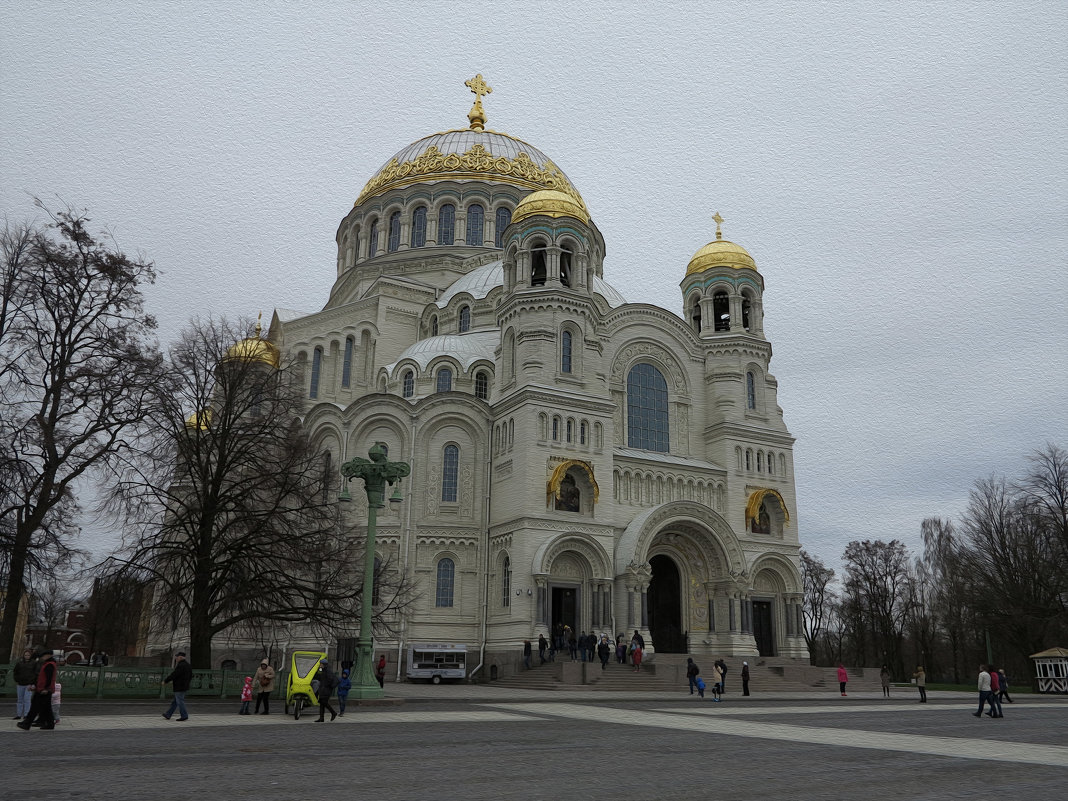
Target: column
[(732, 615)]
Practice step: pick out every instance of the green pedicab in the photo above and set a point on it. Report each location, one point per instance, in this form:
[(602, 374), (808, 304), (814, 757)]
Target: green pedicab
[(303, 666)]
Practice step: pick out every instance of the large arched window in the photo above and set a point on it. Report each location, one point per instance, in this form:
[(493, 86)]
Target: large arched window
[(446, 582), (506, 582), (565, 352), (721, 311), (316, 372), (450, 473), (418, 238), (409, 383), (647, 409), (476, 225), (750, 391), (346, 365), (465, 319), (446, 224), (394, 233), (372, 241), (481, 386), (503, 220), (444, 380)]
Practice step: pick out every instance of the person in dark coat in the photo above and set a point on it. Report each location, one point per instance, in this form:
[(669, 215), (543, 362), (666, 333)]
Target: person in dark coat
[(179, 679), (542, 645), (327, 682), (604, 650), (745, 678), (527, 652), (25, 673), (723, 677), (691, 675), (44, 684)]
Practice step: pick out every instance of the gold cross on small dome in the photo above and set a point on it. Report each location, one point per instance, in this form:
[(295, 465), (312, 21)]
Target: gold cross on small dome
[(718, 221), (476, 115)]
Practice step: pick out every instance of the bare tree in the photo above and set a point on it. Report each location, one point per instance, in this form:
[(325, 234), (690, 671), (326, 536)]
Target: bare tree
[(240, 529), (819, 593), (76, 361), (877, 580)]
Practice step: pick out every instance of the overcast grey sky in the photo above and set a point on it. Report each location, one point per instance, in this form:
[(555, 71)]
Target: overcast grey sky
[(898, 171)]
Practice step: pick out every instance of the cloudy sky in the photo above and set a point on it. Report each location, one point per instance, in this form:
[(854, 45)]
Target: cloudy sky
[(898, 171)]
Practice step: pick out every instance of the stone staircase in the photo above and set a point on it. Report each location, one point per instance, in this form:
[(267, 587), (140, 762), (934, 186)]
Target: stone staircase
[(667, 672)]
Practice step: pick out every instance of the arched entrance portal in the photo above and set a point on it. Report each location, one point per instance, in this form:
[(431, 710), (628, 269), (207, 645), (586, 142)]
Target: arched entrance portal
[(665, 606)]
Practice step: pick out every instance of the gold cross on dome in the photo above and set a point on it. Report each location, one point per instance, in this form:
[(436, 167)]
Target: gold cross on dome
[(718, 221), (479, 87)]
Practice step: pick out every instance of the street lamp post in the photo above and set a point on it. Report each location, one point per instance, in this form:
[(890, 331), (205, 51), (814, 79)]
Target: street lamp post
[(375, 473)]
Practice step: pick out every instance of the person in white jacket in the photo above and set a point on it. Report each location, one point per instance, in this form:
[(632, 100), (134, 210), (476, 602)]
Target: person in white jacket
[(984, 691)]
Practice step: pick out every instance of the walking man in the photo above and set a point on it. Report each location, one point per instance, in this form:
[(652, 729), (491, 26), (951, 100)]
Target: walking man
[(179, 679), (984, 691), (843, 678), (43, 686), (745, 678), (604, 650), (691, 674)]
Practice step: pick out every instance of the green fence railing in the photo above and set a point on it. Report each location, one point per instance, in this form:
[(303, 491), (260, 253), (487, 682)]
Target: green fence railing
[(80, 681)]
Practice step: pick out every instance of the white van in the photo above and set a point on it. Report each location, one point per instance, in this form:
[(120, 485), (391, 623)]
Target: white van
[(437, 661)]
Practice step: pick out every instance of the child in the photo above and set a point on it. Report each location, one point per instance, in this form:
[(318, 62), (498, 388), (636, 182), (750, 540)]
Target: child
[(343, 688), (56, 701), (246, 696)]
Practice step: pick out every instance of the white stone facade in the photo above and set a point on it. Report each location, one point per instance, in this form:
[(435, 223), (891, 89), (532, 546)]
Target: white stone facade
[(584, 460)]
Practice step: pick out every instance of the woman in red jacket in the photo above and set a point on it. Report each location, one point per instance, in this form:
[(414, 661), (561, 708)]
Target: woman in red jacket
[(43, 687)]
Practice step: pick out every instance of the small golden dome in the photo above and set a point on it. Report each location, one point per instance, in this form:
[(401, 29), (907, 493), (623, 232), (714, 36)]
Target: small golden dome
[(201, 420), (720, 253), (549, 203), (254, 349)]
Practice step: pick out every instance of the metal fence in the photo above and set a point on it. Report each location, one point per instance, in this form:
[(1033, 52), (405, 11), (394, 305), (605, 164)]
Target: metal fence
[(80, 681)]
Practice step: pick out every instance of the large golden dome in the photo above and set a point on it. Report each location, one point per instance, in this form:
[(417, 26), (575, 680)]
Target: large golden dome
[(470, 154), (549, 203), (254, 349), (720, 253)]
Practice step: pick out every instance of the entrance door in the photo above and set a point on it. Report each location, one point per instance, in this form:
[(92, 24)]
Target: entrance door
[(665, 607), (762, 629), (564, 608)]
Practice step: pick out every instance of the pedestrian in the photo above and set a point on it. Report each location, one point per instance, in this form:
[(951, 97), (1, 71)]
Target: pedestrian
[(180, 678), (843, 679), (692, 672), (583, 646), (1003, 685), (264, 683), (621, 650), (604, 650), (718, 670), (995, 694), (57, 699), (327, 683), (380, 671), (984, 690), (542, 645), (722, 675), (921, 683), (745, 678), (637, 643), (104, 658), (527, 653), (343, 687), (884, 679), (44, 684), (246, 696), (25, 673), (572, 645)]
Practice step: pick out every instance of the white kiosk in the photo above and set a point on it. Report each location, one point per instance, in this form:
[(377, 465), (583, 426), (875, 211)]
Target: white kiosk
[(1051, 669), (436, 661)]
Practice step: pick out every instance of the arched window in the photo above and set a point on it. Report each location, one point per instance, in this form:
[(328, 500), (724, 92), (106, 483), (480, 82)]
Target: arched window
[(556, 428), (582, 433), (565, 267), (647, 409), (446, 581), (316, 372), (372, 242), (565, 352), (695, 313), (394, 232), (346, 365), (409, 383), (760, 461), (450, 472), (446, 224), (481, 386), (418, 239), (465, 319), (506, 582), (538, 271), (745, 312), (444, 380), (750, 391), (434, 326), (504, 219), (771, 463), (228, 664), (570, 430), (509, 354), (721, 311), (749, 460), (476, 225)]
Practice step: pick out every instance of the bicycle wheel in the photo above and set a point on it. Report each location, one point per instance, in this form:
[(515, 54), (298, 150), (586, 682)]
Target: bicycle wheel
[(298, 705)]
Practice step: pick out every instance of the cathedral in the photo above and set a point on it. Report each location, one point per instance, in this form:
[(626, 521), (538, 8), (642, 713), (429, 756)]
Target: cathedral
[(575, 459)]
